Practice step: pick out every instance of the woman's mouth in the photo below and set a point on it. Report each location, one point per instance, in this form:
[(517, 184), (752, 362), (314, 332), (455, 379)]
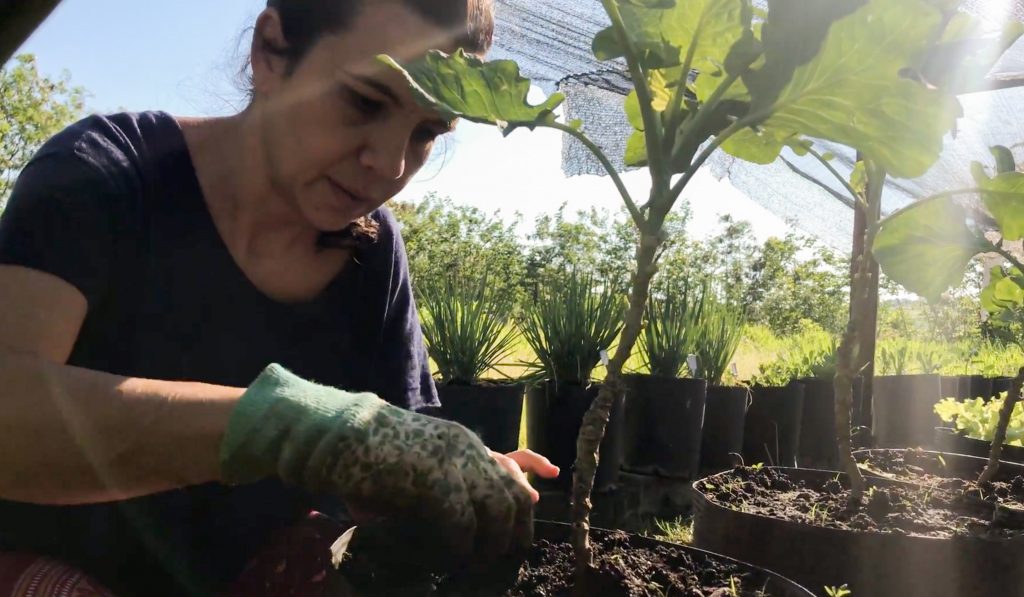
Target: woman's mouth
[(344, 194)]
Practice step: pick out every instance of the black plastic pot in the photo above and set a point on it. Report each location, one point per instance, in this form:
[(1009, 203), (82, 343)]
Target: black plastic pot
[(981, 387), (1000, 385), (948, 440), (724, 413), (771, 432), (494, 412), (903, 410), (943, 464), (662, 425), (817, 447), (955, 386), (872, 564), (553, 418)]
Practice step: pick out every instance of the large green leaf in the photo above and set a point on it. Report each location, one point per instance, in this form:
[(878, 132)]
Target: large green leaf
[(664, 36), (967, 52), (1004, 198), (927, 246), (853, 90), (1004, 291), (463, 86)]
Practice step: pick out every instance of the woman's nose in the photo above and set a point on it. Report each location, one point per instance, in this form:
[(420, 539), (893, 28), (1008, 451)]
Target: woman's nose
[(385, 154)]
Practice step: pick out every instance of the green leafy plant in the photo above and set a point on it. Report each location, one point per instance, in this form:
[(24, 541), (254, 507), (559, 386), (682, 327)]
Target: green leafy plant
[(467, 325), (707, 76), (979, 419), (672, 330), (894, 358), (842, 591), (569, 325), (928, 246), (717, 337), (929, 357)]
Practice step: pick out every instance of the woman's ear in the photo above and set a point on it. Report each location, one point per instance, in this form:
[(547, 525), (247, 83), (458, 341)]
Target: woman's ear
[(267, 55)]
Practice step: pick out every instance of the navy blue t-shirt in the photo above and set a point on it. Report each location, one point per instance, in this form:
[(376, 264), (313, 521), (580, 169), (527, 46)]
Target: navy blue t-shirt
[(112, 206)]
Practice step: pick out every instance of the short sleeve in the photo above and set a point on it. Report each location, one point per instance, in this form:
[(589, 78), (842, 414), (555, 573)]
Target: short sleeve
[(60, 219), (402, 372)]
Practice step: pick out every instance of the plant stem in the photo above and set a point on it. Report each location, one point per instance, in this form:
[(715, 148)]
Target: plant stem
[(849, 188), (1012, 398), (596, 418), (850, 358), (998, 248), (653, 132), (607, 164), (691, 171)]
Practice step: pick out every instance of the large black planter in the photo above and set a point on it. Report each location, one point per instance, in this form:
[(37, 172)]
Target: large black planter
[(903, 410), (554, 414), (941, 464), (948, 440), (872, 564), (771, 433), (722, 436), (817, 447), (663, 419), (494, 412)]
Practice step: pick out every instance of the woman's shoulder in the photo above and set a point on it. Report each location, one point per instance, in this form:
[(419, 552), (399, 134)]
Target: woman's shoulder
[(115, 144)]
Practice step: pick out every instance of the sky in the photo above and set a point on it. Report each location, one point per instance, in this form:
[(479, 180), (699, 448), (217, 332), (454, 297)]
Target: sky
[(183, 57)]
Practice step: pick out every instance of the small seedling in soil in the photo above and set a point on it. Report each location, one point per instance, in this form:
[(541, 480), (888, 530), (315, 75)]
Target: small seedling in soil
[(842, 591)]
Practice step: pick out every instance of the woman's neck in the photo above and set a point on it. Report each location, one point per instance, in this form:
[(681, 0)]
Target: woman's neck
[(254, 220)]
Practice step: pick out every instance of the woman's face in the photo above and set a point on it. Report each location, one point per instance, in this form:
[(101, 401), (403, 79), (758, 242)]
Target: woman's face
[(342, 134)]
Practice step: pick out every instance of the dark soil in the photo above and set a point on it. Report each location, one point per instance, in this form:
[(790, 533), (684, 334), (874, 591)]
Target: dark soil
[(621, 569), (944, 507)]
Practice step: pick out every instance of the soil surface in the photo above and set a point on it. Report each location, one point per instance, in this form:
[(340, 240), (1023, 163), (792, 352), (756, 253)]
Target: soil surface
[(944, 507), (927, 468), (621, 570)]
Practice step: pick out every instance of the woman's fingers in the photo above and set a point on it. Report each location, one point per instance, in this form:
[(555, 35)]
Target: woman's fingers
[(514, 469), (532, 462)]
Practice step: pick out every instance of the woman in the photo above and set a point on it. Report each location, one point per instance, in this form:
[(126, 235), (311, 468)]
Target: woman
[(170, 285)]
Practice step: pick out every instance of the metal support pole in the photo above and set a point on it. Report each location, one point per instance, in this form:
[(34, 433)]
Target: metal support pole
[(18, 19)]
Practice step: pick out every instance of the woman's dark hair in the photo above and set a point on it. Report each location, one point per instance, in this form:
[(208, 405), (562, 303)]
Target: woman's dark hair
[(304, 22)]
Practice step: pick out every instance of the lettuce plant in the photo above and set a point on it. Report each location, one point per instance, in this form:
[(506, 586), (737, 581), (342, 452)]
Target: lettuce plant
[(873, 75)]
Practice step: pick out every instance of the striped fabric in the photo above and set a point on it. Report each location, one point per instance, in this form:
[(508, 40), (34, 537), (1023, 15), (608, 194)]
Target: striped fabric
[(27, 575)]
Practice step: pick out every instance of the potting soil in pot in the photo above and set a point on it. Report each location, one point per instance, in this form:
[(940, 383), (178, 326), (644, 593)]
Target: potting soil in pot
[(949, 508), (625, 565)]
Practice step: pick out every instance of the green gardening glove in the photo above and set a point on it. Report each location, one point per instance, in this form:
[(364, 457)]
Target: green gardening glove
[(377, 457)]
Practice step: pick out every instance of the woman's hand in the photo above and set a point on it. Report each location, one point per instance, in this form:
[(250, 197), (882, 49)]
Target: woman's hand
[(380, 458), (521, 462)]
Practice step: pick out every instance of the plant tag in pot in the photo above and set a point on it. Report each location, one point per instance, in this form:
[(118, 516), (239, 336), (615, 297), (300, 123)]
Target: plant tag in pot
[(735, 371), (691, 362), (604, 357)]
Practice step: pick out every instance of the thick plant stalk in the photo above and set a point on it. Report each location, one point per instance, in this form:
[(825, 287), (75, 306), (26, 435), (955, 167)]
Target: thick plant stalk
[(596, 418), (1005, 413), (846, 369)]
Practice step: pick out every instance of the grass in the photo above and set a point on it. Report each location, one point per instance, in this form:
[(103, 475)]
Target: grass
[(679, 530)]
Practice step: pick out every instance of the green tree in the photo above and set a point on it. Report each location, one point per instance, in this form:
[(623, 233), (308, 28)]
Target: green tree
[(446, 241), (34, 108)]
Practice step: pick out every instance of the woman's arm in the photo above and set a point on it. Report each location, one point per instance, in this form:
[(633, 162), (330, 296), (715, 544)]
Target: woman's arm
[(71, 435)]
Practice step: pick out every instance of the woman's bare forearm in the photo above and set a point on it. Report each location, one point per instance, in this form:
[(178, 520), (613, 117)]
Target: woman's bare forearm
[(71, 436)]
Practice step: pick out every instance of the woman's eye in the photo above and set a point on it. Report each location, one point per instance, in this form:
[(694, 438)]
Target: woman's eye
[(365, 105)]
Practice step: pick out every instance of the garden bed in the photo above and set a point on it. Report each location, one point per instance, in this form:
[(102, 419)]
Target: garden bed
[(626, 565)]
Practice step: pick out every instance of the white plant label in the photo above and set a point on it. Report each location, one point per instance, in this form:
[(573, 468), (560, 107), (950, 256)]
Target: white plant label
[(691, 361), (735, 370), (604, 358)]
